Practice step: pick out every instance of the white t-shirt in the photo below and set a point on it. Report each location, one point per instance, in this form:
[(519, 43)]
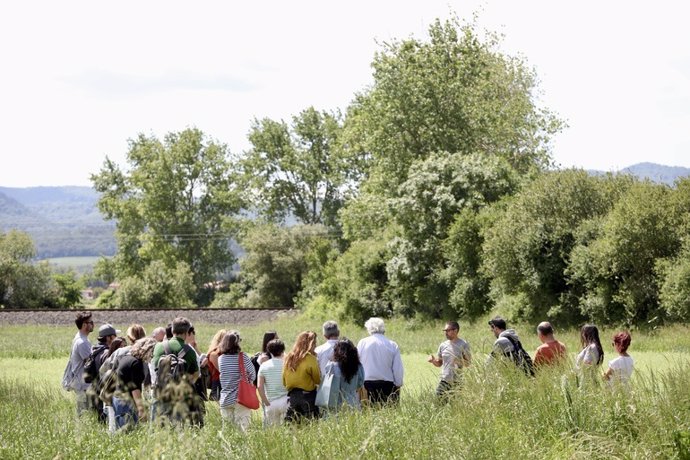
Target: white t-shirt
[(622, 368)]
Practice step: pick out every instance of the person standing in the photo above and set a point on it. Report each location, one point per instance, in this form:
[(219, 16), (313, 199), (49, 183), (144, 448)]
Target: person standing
[(453, 355), (348, 376), (271, 390), (620, 369), (324, 352), (229, 366), (72, 379), (551, 351), (301, 375), (177, 401), (128, 402), (383, 369)]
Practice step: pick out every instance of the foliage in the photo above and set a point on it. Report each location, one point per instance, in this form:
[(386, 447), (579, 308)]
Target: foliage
[(528, 248), (173, 205), (298, 170), (436, 190), (452, 93), (22, 284), (157, 287), (67, 290), (279, 260), (618, 266)]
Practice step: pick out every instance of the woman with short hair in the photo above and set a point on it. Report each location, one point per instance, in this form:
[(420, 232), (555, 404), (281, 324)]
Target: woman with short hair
[(271, 390), (229, 361), (301, 375)]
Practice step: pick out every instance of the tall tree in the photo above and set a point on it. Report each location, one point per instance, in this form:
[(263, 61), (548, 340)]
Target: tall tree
[(173, 204), (299, 169)]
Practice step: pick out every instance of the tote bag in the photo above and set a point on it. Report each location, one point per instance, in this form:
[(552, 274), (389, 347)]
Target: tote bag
[(323, 395), (246, 393)]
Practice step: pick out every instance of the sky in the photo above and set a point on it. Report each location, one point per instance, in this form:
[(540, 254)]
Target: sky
[(79, 79)]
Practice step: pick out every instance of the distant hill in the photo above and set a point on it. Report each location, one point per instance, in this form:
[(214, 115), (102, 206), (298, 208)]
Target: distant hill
[(63, 221), (660, 174), (657, 173)]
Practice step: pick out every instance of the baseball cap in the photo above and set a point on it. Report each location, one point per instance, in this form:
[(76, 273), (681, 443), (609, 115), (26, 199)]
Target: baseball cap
[(106, 330)]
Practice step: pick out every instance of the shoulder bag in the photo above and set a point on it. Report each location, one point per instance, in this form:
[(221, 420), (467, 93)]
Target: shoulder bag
[(246, 393)]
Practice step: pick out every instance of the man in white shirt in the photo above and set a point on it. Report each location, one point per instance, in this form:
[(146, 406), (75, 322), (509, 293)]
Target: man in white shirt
[(383, 369), (324, 352)]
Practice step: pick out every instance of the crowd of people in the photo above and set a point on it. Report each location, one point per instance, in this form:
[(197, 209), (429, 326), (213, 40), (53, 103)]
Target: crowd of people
[(164, 377)]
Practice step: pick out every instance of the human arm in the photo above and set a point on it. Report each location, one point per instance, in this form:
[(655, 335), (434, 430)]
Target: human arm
[(315, 371), (139, 402), (261, 386), (466, 356), (398, 371), (249, 367), (607, 375), (436, 361)]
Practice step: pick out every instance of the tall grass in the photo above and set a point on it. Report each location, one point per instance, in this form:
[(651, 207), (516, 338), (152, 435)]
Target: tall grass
[(498, 412)]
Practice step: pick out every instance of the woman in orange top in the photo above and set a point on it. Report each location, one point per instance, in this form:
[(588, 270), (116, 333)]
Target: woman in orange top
[(212, 356), (301, 376)]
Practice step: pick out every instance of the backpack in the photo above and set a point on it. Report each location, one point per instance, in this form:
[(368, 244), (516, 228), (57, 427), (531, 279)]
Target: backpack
[(521, 358), (109, 378), (171, 366), (93, 364)]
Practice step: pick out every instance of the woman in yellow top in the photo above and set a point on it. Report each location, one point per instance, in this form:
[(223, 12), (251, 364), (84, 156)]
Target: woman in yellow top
[(301, 376)]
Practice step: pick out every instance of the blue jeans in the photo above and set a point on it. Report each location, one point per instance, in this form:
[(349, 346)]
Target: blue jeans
[(125, 412)]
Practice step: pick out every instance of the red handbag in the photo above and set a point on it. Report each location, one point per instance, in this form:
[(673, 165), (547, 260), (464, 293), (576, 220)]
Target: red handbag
[(246, 393)]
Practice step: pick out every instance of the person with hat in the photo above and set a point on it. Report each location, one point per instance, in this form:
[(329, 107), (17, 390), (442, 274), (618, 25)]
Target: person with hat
[(106, 334)]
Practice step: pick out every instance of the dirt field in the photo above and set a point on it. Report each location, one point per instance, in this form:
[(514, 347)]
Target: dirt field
[(161, 317)]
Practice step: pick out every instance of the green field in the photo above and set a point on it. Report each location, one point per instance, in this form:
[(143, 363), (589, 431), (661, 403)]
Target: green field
[(498, 414), (80, 265)]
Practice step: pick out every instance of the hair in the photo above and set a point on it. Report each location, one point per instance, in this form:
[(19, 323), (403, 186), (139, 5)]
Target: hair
[(589, 334), (304, 345), (82, 318), (545, 328), (498, 322), (157, 331), (135, 332), (215, 341), (345, 354), (453, 325), (143, 348), (191, 330), (118, 342), (230, 343), (330, 329), (375, 326), (268, 336), (180, 325), (168, 331), (275, 347), (622, 339)]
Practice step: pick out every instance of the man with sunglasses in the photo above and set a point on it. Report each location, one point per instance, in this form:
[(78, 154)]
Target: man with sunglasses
[(81, 350), (452, 356)]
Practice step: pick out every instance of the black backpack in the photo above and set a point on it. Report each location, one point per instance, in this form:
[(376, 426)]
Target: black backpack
[(93, 364), (521, 358), (171, 366)]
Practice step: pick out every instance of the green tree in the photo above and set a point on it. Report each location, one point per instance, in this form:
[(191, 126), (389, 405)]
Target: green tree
[(174, 204), (453, 93), (279, 261), (298, 169), (22, 284), (527, 250), (66, 290)]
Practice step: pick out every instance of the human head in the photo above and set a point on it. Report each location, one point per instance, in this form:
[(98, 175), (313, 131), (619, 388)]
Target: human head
[(106, 334), (305, 343), (451, 330), (82, 319), (168, 331), (589, 334), (143, 349), (118, 342), (375, 326), (275, 348), (498, 325), (158, 334), (621, 341), (545, 331), (190, 339), (215, 340), (135, 332), (345, 354), (330, 330), (181, 326), (230, 343), (268, 336)]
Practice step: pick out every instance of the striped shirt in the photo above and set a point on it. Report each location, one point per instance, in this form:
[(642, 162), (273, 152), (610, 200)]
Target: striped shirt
[(230, 377), (272, 372)]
